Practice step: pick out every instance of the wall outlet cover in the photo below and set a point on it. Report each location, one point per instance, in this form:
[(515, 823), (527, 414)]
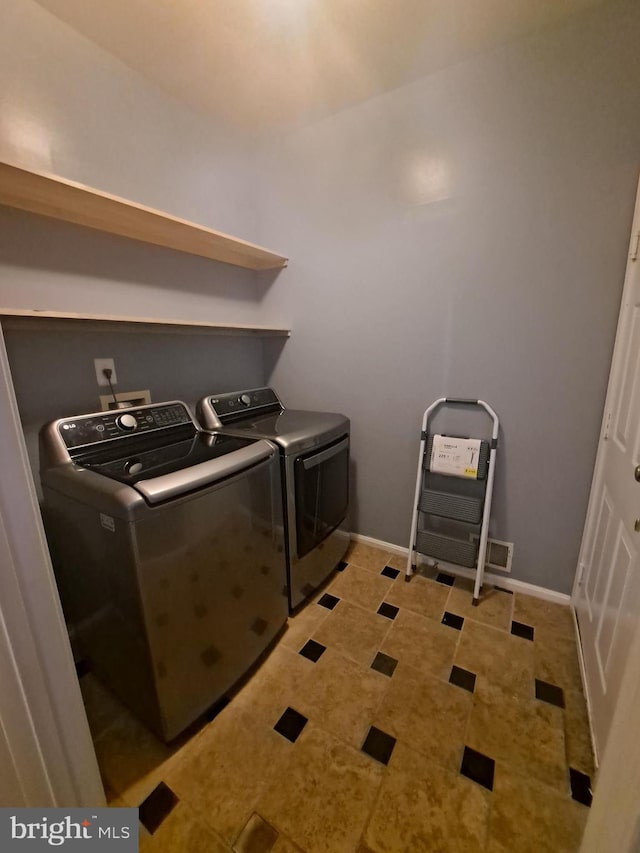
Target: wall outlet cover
[(101, 364)]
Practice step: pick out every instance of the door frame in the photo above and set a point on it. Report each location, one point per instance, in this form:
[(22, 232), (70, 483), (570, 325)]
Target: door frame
[(42, 717), (616, 376)]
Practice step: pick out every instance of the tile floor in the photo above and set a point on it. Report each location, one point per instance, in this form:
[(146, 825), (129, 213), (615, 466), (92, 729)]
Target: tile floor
[(389, 717)]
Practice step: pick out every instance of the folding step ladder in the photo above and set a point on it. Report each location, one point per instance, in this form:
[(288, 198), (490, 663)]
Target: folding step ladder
[(454, 486)]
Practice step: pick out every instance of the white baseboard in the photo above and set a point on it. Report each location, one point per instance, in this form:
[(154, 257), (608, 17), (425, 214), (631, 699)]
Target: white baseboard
[(497, 580)]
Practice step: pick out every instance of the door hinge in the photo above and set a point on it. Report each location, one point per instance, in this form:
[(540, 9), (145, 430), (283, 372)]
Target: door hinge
[(581, 568), (607, 424), (635, 246)]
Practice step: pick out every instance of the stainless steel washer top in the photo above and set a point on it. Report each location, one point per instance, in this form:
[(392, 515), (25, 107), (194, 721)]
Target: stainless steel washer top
[(314, 453), (168, 548), (259, 413)]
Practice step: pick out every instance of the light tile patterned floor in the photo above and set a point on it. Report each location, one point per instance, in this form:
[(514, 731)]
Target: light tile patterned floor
[(470, 718)]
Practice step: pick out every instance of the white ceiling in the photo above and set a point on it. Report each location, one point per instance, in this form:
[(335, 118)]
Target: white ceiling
[(258, 63)]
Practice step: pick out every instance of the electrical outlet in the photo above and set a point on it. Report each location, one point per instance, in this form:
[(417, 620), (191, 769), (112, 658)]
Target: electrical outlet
[(105, 364)]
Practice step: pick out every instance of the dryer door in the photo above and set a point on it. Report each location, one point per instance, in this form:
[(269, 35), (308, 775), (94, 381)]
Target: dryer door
[(321, 493)]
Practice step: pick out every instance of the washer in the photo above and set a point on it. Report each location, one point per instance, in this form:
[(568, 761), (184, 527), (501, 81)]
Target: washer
[(169, 554), (314, 458)]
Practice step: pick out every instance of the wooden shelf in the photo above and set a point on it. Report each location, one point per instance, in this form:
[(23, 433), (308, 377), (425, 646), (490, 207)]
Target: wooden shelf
[(59, 198), (17, 318)]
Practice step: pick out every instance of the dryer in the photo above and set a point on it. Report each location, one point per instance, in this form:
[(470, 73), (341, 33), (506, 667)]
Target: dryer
[(314, 461)]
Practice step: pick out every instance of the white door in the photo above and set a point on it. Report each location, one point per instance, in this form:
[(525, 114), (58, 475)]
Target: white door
[(607, 590)]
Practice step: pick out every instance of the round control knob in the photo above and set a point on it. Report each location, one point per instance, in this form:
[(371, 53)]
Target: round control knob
[(133, 466), (127, 422), (245, 400)]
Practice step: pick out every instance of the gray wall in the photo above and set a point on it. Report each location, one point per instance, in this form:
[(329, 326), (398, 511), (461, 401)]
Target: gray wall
[(70, 108), (53, 371), (462, 235), (466, 235)]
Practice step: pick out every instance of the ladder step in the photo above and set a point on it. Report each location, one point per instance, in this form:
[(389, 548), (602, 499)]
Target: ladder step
[(449, 505), (446, 548)]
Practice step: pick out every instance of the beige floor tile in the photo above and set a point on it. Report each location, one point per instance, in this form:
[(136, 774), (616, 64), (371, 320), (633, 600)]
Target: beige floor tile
[(577, 733), (527, 735), (181, 831), (257, 836), (397, 561), (422, 596), (324, 794), (494, 607), (556, 661), (342, 697), (361, 586), (301, 626), (102, 707), (222, 773), (429, 715), (550, 620), (276, 685), (498, 656), (132, 760), (528, 817), (366, 556), (353, 631), (285, 845), (422, 643), (422, 808)]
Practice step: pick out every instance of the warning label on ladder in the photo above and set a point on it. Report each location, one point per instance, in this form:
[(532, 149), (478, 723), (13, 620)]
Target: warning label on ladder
[(457, 457)]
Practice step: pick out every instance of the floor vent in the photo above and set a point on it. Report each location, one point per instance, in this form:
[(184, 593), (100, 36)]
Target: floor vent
[(499, 554)]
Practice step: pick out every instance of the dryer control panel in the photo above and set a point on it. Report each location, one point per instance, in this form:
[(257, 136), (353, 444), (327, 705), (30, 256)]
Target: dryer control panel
[(96, 428), (242, 404)]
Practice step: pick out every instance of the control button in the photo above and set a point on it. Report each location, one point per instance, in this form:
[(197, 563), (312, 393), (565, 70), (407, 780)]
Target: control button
[(150, 418), (127, 422), (245, 399), (133, 466), (100, 427)]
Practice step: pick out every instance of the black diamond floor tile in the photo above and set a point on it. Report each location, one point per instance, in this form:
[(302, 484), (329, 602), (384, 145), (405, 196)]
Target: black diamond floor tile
[(328, 601), (388, 610), (384, 664), (580, 787), (452, 620), (550, 693), (379, 745), (291, 724), (463, 678), (519, 629), (390, 572), (341, 566), (478, 767), (312, 650), (446, 579), (158, 805)]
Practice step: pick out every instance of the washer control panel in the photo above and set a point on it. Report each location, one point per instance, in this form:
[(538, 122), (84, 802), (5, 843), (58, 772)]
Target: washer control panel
[(93, 429), (229, 406)]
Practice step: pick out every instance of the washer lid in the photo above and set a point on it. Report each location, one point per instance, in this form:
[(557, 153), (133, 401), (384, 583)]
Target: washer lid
[(293, 430), (144, 462)]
